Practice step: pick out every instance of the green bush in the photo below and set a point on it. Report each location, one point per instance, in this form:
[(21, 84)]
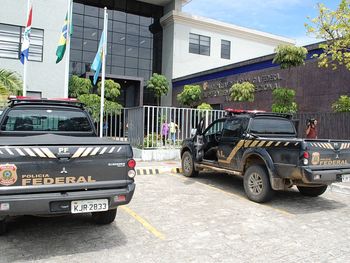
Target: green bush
[(342, 104), (242, 92)]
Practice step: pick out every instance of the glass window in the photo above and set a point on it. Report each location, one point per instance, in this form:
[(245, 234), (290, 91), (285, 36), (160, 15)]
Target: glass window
[(90, 45), (118, 71), (78, 20), (9, 41), (131, 72), (145, 21), (214, 127), (132, 40), (91, 22), (145, 53), (272, 126), (145, 42), (118, 61), (119, 16), (78, 8), (199, 44), (132, 51), (145, 74), (119, 26), (144, 31), (49, 120), (119, 38), (90, 33), (76, 43), (78, 32), (131, 62), (91, 10), (133, 19), (36, 44), (234, 128), (132, 29), (118, 49), (144, 64), (88, 57), (76, 67), (225, 49)]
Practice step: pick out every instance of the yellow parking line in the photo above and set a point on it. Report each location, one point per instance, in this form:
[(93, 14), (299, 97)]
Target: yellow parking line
[(143, 222), (235, 195)]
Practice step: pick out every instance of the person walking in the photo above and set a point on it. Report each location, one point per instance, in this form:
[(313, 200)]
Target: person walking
[(164, 131), (311, 130)]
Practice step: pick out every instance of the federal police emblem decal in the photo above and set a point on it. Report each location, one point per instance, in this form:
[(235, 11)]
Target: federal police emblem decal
[(8, 174)]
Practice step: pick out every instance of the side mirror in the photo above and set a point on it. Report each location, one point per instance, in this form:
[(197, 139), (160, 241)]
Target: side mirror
[(193, 132)]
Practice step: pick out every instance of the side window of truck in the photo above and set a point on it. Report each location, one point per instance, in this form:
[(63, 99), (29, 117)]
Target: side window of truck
[(215, 127), (234, 128)]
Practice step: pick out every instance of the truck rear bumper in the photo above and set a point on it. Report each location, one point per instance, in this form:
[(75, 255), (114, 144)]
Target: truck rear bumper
[(60, 202), (323, 176)]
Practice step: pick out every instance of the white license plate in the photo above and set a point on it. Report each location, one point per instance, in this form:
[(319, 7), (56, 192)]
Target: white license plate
[(86, 206), (345, 178)]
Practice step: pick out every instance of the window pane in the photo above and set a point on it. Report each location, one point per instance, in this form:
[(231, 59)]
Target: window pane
[(131, 72), (90, 21), (78, 20), (134, 19), (88, 57), (90, 33), (118, 61), (145, 21), (204, 50), (119, 26), (132, 40), (117, 70), (133, 29), (119, 38), (75, 55), (78, 31), (144, 64), (120, 16), (194, 48), (76, 43), (131, 62), (78, 8), (118, 49), (145, 53), (91, 10), (132, 51), (90, 45), (146, 74)]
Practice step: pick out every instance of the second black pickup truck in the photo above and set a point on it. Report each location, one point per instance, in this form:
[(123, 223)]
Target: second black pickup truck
[(51, 162), (264, 149)]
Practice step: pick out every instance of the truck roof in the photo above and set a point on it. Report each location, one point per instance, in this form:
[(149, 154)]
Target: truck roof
[(254, 113), (20, 100)]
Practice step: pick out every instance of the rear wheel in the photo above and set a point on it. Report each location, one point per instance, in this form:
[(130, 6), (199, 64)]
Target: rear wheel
[(312, 191), (2, 227), (105, 217), (257, 184), (187, 164)]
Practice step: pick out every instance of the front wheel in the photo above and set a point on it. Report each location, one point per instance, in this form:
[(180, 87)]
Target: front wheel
[(257, 184), (187, 164), (312, 191), (105, 217)]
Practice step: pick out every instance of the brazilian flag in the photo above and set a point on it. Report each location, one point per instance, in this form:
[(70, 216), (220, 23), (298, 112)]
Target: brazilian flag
[(62, 43)]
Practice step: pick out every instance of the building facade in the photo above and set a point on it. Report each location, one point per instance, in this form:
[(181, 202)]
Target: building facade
[(316, 88), (144, 37)]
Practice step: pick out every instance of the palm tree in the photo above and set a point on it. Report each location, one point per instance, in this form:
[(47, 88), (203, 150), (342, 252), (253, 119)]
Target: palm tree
[(10, 83)]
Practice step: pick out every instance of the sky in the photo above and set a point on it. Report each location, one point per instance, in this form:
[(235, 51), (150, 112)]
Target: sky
[(280, 17)]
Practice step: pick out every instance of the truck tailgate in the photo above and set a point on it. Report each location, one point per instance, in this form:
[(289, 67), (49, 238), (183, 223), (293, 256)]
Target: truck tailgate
[(62, 164)]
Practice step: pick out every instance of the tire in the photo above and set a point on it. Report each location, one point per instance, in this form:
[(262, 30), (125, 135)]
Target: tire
[(187, 165), (312, 191), (257, 184), (3, 227), (105, 217)]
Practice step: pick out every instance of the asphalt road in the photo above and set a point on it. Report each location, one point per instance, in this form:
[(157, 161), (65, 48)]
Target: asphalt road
[(205, 219)]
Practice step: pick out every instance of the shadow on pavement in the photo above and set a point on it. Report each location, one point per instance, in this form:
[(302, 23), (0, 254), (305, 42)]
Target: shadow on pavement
[(35, 238), (291, 200)]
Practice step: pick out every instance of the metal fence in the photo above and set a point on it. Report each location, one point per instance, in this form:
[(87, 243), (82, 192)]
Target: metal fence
[(142, 126), (329, 125)]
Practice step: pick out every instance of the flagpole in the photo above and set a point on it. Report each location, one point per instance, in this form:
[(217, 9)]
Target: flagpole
[(25, 60), (104, 53), (66, 74)]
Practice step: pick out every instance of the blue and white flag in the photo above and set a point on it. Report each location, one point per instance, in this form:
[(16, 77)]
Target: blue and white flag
[(26, 40), (97, 63)]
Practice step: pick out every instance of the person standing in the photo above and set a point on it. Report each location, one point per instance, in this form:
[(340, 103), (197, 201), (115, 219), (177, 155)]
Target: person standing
[(173, 127), (164, 131), (311, 130)]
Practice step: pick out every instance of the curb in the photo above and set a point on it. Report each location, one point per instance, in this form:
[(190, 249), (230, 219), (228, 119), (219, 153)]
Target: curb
[(154, 171), (339, 188)]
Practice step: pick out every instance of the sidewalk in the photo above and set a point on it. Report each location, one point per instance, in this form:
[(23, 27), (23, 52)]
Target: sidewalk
[(152, 167)]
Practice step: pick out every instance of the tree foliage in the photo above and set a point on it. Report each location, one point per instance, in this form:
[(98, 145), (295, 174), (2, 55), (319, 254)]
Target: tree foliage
[(342, 104), (242, 92), (289, 56), (334, 27), (284, 101), (81, 88), (204, 106), (112, 89), (190, 95), (10, 83), (78, 86), (159, 85)]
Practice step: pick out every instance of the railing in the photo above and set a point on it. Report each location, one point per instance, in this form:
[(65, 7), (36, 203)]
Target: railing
[(142, 126)]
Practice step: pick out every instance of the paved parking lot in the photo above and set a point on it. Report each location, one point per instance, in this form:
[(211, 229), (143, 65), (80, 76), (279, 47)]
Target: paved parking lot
[(206, 219)]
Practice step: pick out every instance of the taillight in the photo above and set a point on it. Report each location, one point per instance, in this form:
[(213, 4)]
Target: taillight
[(306, 156), (131, 163)]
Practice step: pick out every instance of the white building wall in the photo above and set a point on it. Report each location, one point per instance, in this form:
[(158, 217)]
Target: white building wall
[(245, 43), (47, 76)]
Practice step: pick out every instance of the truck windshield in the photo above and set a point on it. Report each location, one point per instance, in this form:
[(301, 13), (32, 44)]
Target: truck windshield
[(272, 126), (45, 120)]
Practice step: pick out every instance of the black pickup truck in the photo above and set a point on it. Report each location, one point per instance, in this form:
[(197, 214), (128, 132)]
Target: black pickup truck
[(52, 162), (264, 149)]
